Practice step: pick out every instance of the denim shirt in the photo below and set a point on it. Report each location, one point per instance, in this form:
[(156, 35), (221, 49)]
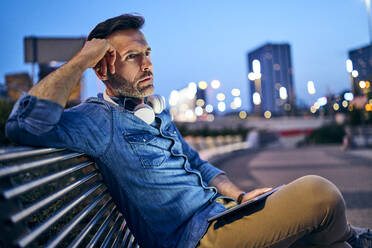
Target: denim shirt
[(156, 179)]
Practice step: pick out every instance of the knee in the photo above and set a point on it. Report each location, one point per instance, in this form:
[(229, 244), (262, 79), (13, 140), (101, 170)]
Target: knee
[(320, 192)]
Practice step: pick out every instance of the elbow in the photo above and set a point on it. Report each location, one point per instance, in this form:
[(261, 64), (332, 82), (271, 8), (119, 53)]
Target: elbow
[(12, 130)]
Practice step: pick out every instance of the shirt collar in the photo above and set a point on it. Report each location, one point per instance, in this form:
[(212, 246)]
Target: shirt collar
[(129, 103)]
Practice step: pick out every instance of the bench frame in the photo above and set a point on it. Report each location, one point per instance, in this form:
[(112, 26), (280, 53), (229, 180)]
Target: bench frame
[(54, 197)]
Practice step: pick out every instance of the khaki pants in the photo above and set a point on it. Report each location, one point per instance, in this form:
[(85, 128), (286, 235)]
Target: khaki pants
[(308, 212)]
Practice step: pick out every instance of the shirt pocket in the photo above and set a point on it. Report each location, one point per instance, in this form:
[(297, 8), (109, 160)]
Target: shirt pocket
[(148, 149)]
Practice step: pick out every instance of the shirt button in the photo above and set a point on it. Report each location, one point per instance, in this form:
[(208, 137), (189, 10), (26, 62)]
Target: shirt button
[(174, 132), (144, 140)]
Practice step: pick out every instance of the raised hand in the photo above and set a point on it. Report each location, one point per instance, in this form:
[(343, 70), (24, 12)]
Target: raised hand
[(98, 54)]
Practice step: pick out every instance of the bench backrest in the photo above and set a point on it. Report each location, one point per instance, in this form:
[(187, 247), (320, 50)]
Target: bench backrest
[(56, 198)]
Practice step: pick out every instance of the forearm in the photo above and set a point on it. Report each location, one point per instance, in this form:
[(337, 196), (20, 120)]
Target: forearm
[(226, 187), (58, 85)]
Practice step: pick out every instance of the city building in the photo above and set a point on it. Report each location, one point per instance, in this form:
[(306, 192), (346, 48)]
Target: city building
[(190, 104), (360, 69), (182, 104), (16, 84), (271, 80)]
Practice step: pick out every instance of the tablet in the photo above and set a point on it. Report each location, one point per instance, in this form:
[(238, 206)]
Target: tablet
[(245, 204)]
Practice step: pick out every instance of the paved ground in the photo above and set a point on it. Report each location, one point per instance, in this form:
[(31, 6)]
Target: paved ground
[(351, 171)]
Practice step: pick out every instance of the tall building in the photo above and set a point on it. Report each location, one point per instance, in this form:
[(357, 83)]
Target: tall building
[(270, 79), (361, 68)]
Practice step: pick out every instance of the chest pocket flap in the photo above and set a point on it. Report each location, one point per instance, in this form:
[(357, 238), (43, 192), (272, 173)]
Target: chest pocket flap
[(148, 148)]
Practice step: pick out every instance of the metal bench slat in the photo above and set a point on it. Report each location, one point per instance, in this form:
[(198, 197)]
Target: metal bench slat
[(125, 237), (90, 225), (131, 242), (41, 228), (119, 234), (25, 152), (111, 232), (36, 206), (67, 229), (7, 194), (100, 230), (10, 170), (23, 162)]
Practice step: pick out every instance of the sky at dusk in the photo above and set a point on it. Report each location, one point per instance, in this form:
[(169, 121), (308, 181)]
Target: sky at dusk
[(204, 40)]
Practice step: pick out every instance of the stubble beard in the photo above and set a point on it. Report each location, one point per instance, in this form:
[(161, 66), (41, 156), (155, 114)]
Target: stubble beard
[(125, 88)]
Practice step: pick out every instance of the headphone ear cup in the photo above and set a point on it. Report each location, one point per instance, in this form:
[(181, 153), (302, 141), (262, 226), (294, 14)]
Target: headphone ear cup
[(145, 113), (157, 103)]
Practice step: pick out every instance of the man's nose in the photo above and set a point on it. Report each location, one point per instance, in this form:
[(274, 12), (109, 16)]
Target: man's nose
[(146, 63)]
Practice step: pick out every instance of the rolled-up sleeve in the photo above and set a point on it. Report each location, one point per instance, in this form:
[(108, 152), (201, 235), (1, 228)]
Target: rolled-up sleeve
[(40, 122), (207, 170), (35, 115)]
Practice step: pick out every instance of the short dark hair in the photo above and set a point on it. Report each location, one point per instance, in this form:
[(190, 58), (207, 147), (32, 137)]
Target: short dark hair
[(122, 22)]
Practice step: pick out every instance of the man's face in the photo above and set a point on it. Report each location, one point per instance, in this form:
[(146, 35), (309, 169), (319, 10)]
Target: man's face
[(133, 68)]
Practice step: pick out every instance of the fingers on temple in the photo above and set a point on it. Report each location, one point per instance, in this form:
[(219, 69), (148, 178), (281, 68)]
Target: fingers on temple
[(111, 60), (103, 67)]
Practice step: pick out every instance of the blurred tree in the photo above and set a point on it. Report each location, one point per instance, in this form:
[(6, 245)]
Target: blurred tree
[(332, 133)]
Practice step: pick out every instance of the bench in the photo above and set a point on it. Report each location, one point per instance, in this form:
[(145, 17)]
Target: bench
[(56, 198)]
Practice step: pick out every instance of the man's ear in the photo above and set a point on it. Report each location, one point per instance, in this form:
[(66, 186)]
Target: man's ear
[(97, 70)]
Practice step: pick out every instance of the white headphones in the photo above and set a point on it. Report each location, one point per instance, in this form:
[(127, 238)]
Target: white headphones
[(146, 112)]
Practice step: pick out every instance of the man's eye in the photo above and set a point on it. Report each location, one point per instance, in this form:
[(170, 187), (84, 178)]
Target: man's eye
[(147, 53), (131, 56)]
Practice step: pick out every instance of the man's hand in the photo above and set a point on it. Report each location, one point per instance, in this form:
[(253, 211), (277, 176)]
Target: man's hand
[(227, 188), (58, 85), (254, 193), (98, 53)]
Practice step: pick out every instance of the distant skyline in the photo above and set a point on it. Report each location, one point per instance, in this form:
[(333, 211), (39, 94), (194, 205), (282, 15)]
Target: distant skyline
[(196, 41)]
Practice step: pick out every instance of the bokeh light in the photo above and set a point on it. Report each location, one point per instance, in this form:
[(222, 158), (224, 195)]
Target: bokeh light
[(256, 65), (242, 114), (368, 107), (215, 84), (313, 109), (209, 108), (203, 85), (349, 65), (220, 96), (311, 87), (283, 93), (174, 97), (336, 106), (267, 114), (198, 111), (237, 102), (256, 98), (221, 106), (200, 102), (349, 96), (235, 92), (191, 91)]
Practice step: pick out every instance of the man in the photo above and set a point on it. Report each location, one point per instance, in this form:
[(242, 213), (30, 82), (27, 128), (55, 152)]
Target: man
[(165, 191)]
